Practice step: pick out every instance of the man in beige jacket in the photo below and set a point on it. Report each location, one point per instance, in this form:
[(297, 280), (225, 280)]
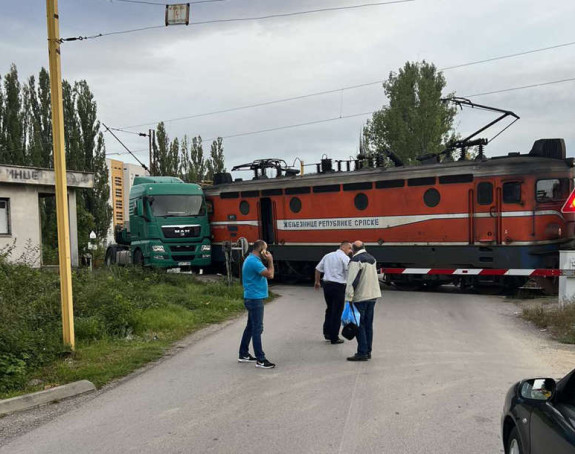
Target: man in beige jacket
[(363, 290)]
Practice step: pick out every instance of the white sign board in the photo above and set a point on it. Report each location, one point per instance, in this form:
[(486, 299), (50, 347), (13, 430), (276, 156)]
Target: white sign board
[(43, 177), (178, 14)]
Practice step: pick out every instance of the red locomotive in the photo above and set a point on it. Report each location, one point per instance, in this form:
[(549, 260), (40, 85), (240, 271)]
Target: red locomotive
[(502, 212)]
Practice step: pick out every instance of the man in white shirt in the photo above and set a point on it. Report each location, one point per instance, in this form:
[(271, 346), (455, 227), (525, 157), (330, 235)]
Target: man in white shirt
[(334, 269)]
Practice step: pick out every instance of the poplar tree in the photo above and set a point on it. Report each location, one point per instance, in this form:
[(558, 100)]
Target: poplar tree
[(92, 158), (416, 122), (13, 124), (216, 163)]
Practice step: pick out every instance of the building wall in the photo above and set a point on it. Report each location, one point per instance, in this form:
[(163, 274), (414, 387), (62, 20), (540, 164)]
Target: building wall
[(131, 171), (24, 224), (121, 179)]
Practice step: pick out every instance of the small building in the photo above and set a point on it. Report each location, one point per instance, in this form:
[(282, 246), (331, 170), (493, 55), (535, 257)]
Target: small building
[(21, 189), (121, 175)]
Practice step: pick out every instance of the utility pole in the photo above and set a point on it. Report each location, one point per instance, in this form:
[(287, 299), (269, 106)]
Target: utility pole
[(150, 147), (153, 166), (60, 170)]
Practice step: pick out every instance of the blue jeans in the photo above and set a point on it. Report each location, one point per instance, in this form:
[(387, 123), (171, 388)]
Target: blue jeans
[(254, 329), (365, 332)]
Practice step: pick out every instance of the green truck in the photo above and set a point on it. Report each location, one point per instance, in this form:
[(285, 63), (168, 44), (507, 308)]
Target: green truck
[(168, 226)]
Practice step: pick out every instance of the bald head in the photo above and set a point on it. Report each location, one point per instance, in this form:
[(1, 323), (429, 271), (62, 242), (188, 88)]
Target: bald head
[(357, 246)]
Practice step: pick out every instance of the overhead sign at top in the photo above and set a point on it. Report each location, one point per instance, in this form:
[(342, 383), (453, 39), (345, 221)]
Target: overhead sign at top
[(178, 14)]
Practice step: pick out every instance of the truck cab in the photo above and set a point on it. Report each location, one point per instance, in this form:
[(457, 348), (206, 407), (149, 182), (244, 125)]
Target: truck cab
[(168, 226)]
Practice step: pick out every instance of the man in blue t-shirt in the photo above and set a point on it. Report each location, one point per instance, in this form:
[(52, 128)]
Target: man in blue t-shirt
[(254, 280)]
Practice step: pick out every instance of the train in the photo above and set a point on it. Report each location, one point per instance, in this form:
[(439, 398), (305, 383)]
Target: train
[(499, 212)]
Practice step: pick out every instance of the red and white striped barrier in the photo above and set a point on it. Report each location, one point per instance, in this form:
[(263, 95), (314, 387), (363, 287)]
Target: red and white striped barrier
[(480, 272)]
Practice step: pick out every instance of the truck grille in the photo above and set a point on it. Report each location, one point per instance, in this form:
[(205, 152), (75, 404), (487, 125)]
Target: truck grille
[(183, 248), (181, 231), (184, 257)]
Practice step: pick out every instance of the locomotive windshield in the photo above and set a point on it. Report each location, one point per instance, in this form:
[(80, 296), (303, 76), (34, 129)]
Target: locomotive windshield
[(176, 205), (552, 190)]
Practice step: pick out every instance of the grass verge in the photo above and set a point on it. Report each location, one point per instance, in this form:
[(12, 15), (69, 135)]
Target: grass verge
[(559, 322), (124, 317)]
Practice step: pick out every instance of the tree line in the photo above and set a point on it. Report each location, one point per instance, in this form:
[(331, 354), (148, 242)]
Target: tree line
[(26, 140), (185, 158)]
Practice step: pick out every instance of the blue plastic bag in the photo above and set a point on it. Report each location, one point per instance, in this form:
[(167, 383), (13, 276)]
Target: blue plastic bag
[(350, 314)]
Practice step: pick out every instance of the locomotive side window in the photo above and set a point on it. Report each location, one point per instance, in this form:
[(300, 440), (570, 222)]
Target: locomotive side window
[(295, 205), (230, 195), (387, 184), (431, 197), (484, 193), (299, 190), (244, 207), (425, 181), (552, 190), (267, 192), (452, 179), (361, 201), (326, 188), (358, 186), (512, 192)]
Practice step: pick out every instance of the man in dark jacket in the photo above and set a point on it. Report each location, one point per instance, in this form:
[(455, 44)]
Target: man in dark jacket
[(363, 290)]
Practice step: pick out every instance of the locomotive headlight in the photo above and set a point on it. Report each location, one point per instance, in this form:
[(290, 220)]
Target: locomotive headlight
[(206, 247), (158, 248), (553, 231)]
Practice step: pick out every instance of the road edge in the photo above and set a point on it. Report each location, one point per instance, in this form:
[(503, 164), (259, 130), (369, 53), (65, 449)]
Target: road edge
[(32, 400)]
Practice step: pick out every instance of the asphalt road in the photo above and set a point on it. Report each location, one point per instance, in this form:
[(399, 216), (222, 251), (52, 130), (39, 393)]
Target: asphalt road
[(442, 363)]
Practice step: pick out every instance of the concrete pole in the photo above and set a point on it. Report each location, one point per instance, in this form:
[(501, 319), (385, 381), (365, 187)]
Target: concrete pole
[(60, 170)]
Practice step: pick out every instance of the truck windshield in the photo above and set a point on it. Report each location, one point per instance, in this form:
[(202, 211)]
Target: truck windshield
[(176, 205)]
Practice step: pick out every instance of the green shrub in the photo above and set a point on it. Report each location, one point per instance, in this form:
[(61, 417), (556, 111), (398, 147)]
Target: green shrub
[(110, 305), (13, 372), (89, 328)]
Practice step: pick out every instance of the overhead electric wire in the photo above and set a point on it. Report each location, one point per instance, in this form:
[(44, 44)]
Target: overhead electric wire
[(127, 149), (244, 19), (521, 88), (261, 104), (143, 2), (326, 120), (350, 87), (519, 54), (298, 125)]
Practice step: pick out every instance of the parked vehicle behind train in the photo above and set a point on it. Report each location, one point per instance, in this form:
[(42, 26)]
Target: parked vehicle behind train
[(168, 226)]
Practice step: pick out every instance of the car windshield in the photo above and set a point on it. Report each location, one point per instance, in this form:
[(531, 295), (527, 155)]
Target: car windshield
[(176, 205)]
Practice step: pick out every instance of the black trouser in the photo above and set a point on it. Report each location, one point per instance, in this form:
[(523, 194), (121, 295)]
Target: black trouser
[(334, 294)]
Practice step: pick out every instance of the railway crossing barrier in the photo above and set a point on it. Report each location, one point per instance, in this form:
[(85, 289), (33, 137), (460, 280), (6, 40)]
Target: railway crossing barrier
[(566, 274)]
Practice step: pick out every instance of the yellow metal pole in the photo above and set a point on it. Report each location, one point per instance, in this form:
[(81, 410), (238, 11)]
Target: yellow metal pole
[(60, 169)]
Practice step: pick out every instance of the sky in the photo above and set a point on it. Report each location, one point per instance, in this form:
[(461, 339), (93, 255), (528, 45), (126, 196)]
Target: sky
[(167, 73)]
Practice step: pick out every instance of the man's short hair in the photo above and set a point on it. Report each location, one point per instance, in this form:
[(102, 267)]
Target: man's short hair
[(343, 243), (259, 245), (357, 246)]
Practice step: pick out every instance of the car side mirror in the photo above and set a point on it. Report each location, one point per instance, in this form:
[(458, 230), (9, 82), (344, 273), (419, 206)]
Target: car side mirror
[(539, 389)]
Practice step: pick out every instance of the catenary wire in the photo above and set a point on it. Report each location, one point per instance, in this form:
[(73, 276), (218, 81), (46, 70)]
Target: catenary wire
[(350, 87), (143, 2), (505, 90), (244, 19), (542, 84)]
